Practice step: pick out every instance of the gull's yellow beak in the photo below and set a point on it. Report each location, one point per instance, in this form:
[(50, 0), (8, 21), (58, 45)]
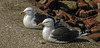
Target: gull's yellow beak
[(22, 12), (40, 24)]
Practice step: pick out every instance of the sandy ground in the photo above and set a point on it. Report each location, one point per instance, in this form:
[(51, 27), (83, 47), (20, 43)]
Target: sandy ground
[(14, 35)]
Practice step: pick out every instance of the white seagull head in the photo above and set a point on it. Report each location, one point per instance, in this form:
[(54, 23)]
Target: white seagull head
[(48, 22), (28, 11)]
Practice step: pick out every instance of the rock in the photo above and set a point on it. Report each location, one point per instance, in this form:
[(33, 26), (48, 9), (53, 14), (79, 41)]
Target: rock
[(68, 0), (89, 22), (96, 1), (94, 36), (89, 2), (42, 1), (60, 14), (82, 4), (87, 13), (70, 4), (45, 5), (42, 42), (98, 17), (95, 28), (99, 42)]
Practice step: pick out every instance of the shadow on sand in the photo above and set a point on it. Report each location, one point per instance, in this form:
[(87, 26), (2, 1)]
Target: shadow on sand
[(77, 40)]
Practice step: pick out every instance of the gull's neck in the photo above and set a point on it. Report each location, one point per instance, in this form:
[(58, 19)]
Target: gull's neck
[(49, 28), (28, 21), (47, 31), (30, 16)]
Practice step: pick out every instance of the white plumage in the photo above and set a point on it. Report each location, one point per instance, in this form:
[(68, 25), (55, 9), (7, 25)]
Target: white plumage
[(29, 18)]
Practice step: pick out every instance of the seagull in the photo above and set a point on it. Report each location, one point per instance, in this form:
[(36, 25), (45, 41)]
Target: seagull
[(58, 33), (31, 19)]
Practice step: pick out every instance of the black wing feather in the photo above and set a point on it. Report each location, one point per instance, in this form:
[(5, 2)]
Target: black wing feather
[(39, 17), (64, 34)]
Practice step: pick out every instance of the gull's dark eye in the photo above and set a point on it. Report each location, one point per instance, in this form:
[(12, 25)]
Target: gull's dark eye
[(47, 22), (29, 10)]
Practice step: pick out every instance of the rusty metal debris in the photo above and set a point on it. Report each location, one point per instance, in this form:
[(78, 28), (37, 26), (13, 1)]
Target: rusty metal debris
[(96, 28), (82, 13), (86, 13), (45, 5), (82, 4), (96, 1)]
